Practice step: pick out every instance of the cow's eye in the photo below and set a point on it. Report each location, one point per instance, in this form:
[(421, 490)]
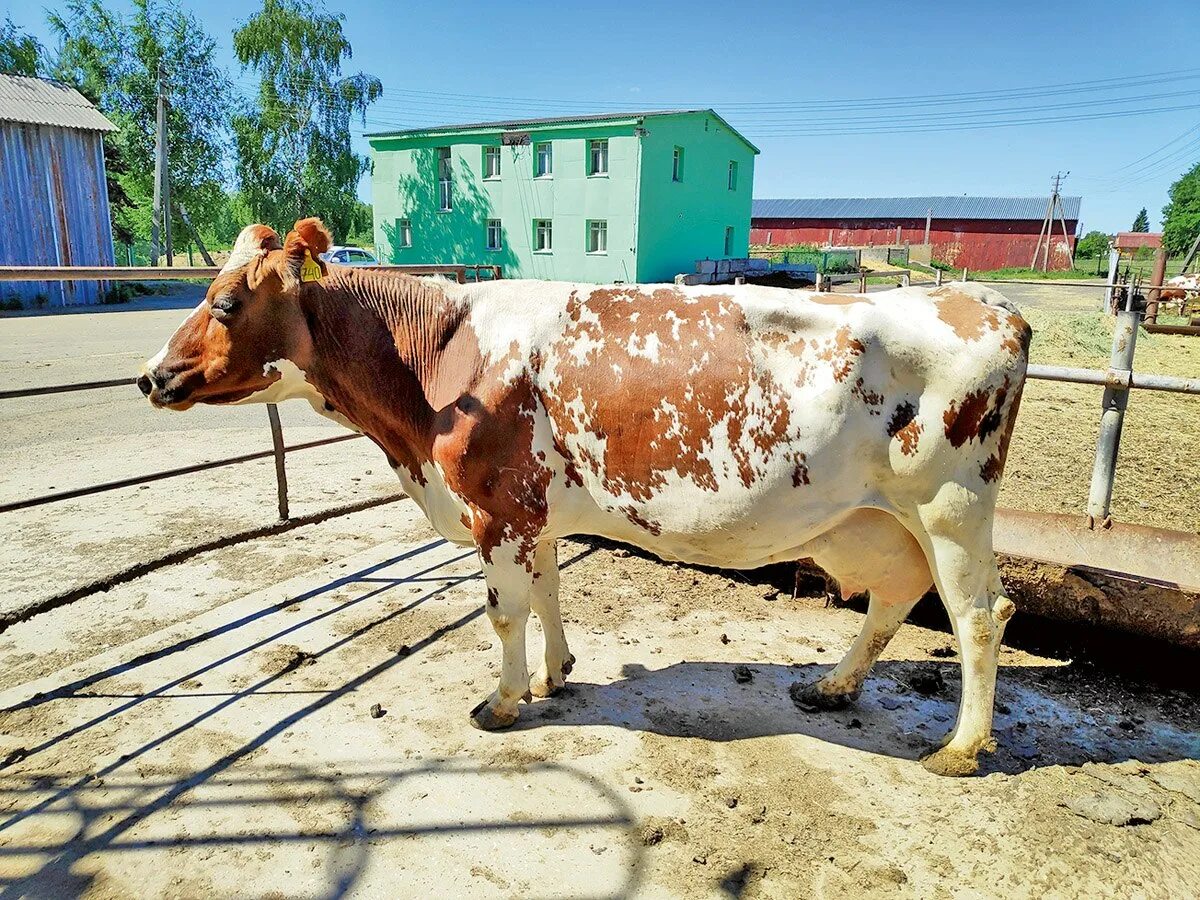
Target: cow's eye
[(226, 306)]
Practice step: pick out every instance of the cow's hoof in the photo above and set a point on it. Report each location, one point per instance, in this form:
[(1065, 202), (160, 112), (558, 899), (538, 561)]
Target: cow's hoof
[(810, 697), (485, 718), (543, 686), (568, 664), (952, 762)]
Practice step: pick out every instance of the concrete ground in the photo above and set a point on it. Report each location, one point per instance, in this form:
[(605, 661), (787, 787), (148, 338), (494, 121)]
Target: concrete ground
[(207, 728)]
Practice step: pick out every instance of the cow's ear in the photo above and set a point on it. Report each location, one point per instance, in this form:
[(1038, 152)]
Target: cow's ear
[(302, 250)]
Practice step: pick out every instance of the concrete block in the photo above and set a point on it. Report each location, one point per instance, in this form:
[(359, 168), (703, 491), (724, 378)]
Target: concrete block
[(758, 265), (706, 266), (738, 266), (722, 267), (697, 278)]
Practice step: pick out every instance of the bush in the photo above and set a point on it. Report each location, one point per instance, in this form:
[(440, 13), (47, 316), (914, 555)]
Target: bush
[(11, 303), (938, 264), (1092, 245)]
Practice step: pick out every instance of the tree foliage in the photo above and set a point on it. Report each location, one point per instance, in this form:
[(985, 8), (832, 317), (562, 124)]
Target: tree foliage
[(1181, 215), (113, 59), (20, 53), (1142, 222), (1092, 244), (294, 157)]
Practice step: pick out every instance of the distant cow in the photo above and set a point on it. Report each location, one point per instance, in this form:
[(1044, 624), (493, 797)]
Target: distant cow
[(1183, 290), (725, 426)]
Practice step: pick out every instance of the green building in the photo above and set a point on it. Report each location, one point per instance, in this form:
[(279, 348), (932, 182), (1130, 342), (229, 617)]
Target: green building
[(614, 197)]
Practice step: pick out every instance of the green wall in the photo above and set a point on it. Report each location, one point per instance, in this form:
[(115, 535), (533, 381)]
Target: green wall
[(654, 231), (683, 221)]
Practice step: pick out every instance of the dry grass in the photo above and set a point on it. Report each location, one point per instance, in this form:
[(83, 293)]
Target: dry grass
[(1049, 467)]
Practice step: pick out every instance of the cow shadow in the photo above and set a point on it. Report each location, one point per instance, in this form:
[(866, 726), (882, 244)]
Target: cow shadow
[(1044, 717)]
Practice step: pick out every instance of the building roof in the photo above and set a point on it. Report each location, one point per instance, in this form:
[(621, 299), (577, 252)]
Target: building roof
[(1134, 240), (912, 208), (37, 101), (510, 124)]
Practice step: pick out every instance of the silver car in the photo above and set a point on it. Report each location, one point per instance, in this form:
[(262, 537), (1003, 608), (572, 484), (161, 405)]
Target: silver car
[(349, 256)]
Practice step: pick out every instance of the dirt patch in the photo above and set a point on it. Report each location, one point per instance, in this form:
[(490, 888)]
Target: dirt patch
[(1053, 446)]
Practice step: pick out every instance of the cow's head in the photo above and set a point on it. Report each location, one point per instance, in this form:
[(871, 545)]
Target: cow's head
[(234, 345)]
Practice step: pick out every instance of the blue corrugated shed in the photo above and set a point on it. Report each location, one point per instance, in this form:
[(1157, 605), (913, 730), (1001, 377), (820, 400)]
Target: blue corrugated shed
[(53, 196), (857, 208)]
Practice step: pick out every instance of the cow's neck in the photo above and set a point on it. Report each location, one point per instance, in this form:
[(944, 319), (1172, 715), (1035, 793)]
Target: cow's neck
[(383, 348)]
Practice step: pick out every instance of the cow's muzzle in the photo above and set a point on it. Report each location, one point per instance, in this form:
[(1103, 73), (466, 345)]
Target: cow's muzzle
[(163, 389)]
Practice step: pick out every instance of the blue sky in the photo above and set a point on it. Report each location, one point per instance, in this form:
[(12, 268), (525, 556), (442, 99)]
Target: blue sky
[(450, 62)]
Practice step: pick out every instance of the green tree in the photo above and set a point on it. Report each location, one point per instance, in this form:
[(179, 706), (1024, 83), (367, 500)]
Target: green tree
[(114, 59), (20, 53), (1181, 215), (293, 148), (1092, 244), (1142, 222)]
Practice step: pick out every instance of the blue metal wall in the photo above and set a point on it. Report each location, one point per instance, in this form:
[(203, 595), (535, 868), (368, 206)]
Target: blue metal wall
[(53, 209)]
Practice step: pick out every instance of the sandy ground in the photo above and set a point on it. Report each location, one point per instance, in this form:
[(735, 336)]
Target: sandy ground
[(236, 752), (206, 729)]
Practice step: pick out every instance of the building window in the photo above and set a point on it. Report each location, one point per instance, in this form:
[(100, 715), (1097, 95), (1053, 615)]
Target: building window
[(494, 239), (728, 240), (491, 162), (445, 198), (403, 233), (598, 157), (543, 160), (543, 236), (597, 236), (677, 165), (733, 175)]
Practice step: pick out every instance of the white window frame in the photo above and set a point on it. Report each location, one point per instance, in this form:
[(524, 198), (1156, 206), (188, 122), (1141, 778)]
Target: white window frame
[(543, 235), (597, 158), (728, 241), (404, 231), (597, 237), (490, 155), (677, 164), (445, 175), (496, 230), (733, 175), (538, 149)]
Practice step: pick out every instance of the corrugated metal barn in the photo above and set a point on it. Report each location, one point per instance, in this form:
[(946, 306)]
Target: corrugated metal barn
[(976, 232), (53, 196)]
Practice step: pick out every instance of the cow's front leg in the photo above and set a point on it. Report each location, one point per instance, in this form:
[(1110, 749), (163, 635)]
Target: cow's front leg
[(509, 587), (557, 660)]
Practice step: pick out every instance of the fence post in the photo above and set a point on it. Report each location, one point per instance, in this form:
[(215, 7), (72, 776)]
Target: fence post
[(937, 278), (280, 471), (904, 280), (1112, 418), (964, 278)]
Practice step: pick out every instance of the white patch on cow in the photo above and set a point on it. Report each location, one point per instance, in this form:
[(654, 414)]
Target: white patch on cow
[(293, 384), (647, 349), (441, 506)]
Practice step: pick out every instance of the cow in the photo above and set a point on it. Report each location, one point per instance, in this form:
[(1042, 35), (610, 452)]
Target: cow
[(729, 426), (1183, 290)]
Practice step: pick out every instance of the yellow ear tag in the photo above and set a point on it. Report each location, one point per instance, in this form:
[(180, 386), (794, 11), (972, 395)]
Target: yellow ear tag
[(309, 269)]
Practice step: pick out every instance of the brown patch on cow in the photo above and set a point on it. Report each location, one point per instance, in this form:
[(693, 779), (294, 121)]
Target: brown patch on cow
[(868, 397), (705, 377), (493, 598), (963, 422), (800, 470), (970, 318), (993, 417), (840, 299), (637, 519), (1017, 340), (904, 427), (993, 466), (466, 521), (840, 351)]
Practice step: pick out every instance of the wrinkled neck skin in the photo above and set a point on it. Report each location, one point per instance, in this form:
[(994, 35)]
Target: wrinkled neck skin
[(381, 345)]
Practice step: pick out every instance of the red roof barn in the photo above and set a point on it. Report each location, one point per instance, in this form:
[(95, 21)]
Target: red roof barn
[(976, 232)]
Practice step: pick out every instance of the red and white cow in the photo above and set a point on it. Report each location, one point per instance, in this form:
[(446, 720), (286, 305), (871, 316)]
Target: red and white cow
[(1183, 290), (727, 426)]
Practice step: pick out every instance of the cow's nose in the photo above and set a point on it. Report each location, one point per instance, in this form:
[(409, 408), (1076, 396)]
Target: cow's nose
[(145, 385)]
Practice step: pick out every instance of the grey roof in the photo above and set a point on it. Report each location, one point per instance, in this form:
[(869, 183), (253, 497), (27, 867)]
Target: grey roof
[(508, 124), (912, 208), (36, 101)]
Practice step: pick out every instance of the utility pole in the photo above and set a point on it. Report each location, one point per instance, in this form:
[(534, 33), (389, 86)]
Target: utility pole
[(160, 226), (1054, 205)]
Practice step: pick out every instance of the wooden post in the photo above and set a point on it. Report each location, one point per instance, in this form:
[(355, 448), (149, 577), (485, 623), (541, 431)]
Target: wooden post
[(160, 168), (195, 235), (1160, 273), (964, 278), (928, 223), (280, 472), (937, 278)]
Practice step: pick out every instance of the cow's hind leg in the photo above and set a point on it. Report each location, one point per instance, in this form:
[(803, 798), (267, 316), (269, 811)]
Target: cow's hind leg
[(557, 660), (958, 543), (871, 551), (509, 588)]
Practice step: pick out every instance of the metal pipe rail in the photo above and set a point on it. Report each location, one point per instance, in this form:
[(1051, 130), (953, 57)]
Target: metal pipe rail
[(1117, 379)]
